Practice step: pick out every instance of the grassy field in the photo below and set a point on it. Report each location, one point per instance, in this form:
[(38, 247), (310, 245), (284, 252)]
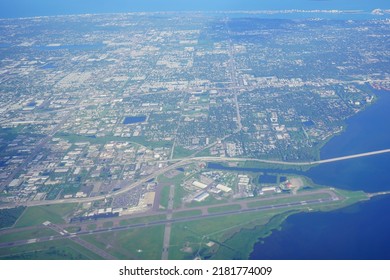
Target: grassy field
[(226, 233), (262, 165), (240, 245), (91, 227), (73, 229), (204, 153), (73, 138), (164, 196), (180, 193), (140, 220), (189, 213), (180, 152), (27, 234), (141, 243), (53, 250), (224, 208), (352, 196), (36, 215), (108, 224), (195, 234)]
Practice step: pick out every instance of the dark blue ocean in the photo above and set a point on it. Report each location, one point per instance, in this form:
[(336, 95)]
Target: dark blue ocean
[(361, 231)]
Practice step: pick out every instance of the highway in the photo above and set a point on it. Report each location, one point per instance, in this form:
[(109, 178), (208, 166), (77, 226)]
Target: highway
[(233, 76), (303, 163), (181, 162), (173, 220)]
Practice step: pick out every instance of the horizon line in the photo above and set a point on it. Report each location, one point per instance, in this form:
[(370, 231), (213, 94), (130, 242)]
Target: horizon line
[(253, 12)]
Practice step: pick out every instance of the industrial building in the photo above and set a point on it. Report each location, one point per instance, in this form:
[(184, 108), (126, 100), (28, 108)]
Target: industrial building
[(223, 188), (199, 185), (202, 196)]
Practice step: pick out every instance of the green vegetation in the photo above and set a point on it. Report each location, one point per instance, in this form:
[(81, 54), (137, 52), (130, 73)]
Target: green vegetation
[(108, 224), (176, 180), (196, 235), (53, 192), (63, 189), (27, 234), (263, 165), (91, 227), (8, 217), (142, 141), (141, 220), (241, 244), (164, 196), (189, 213), (73, 229), (141, 243), (180, 152), (203, 153), (189, 238), (180, 193), (36, 215), (351, 196), (139, 140), (224, 208), (52, 250)]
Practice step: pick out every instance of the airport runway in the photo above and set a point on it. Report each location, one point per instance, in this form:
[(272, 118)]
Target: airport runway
[(163, 222)]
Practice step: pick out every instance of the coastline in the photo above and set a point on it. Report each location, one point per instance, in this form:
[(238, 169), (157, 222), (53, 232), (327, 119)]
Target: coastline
[(246, 237)]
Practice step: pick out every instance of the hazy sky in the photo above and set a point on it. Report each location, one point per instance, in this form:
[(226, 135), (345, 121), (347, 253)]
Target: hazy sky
[(22, 8)]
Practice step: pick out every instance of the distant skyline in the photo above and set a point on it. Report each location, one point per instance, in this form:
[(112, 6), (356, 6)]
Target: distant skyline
[(28, 8)]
